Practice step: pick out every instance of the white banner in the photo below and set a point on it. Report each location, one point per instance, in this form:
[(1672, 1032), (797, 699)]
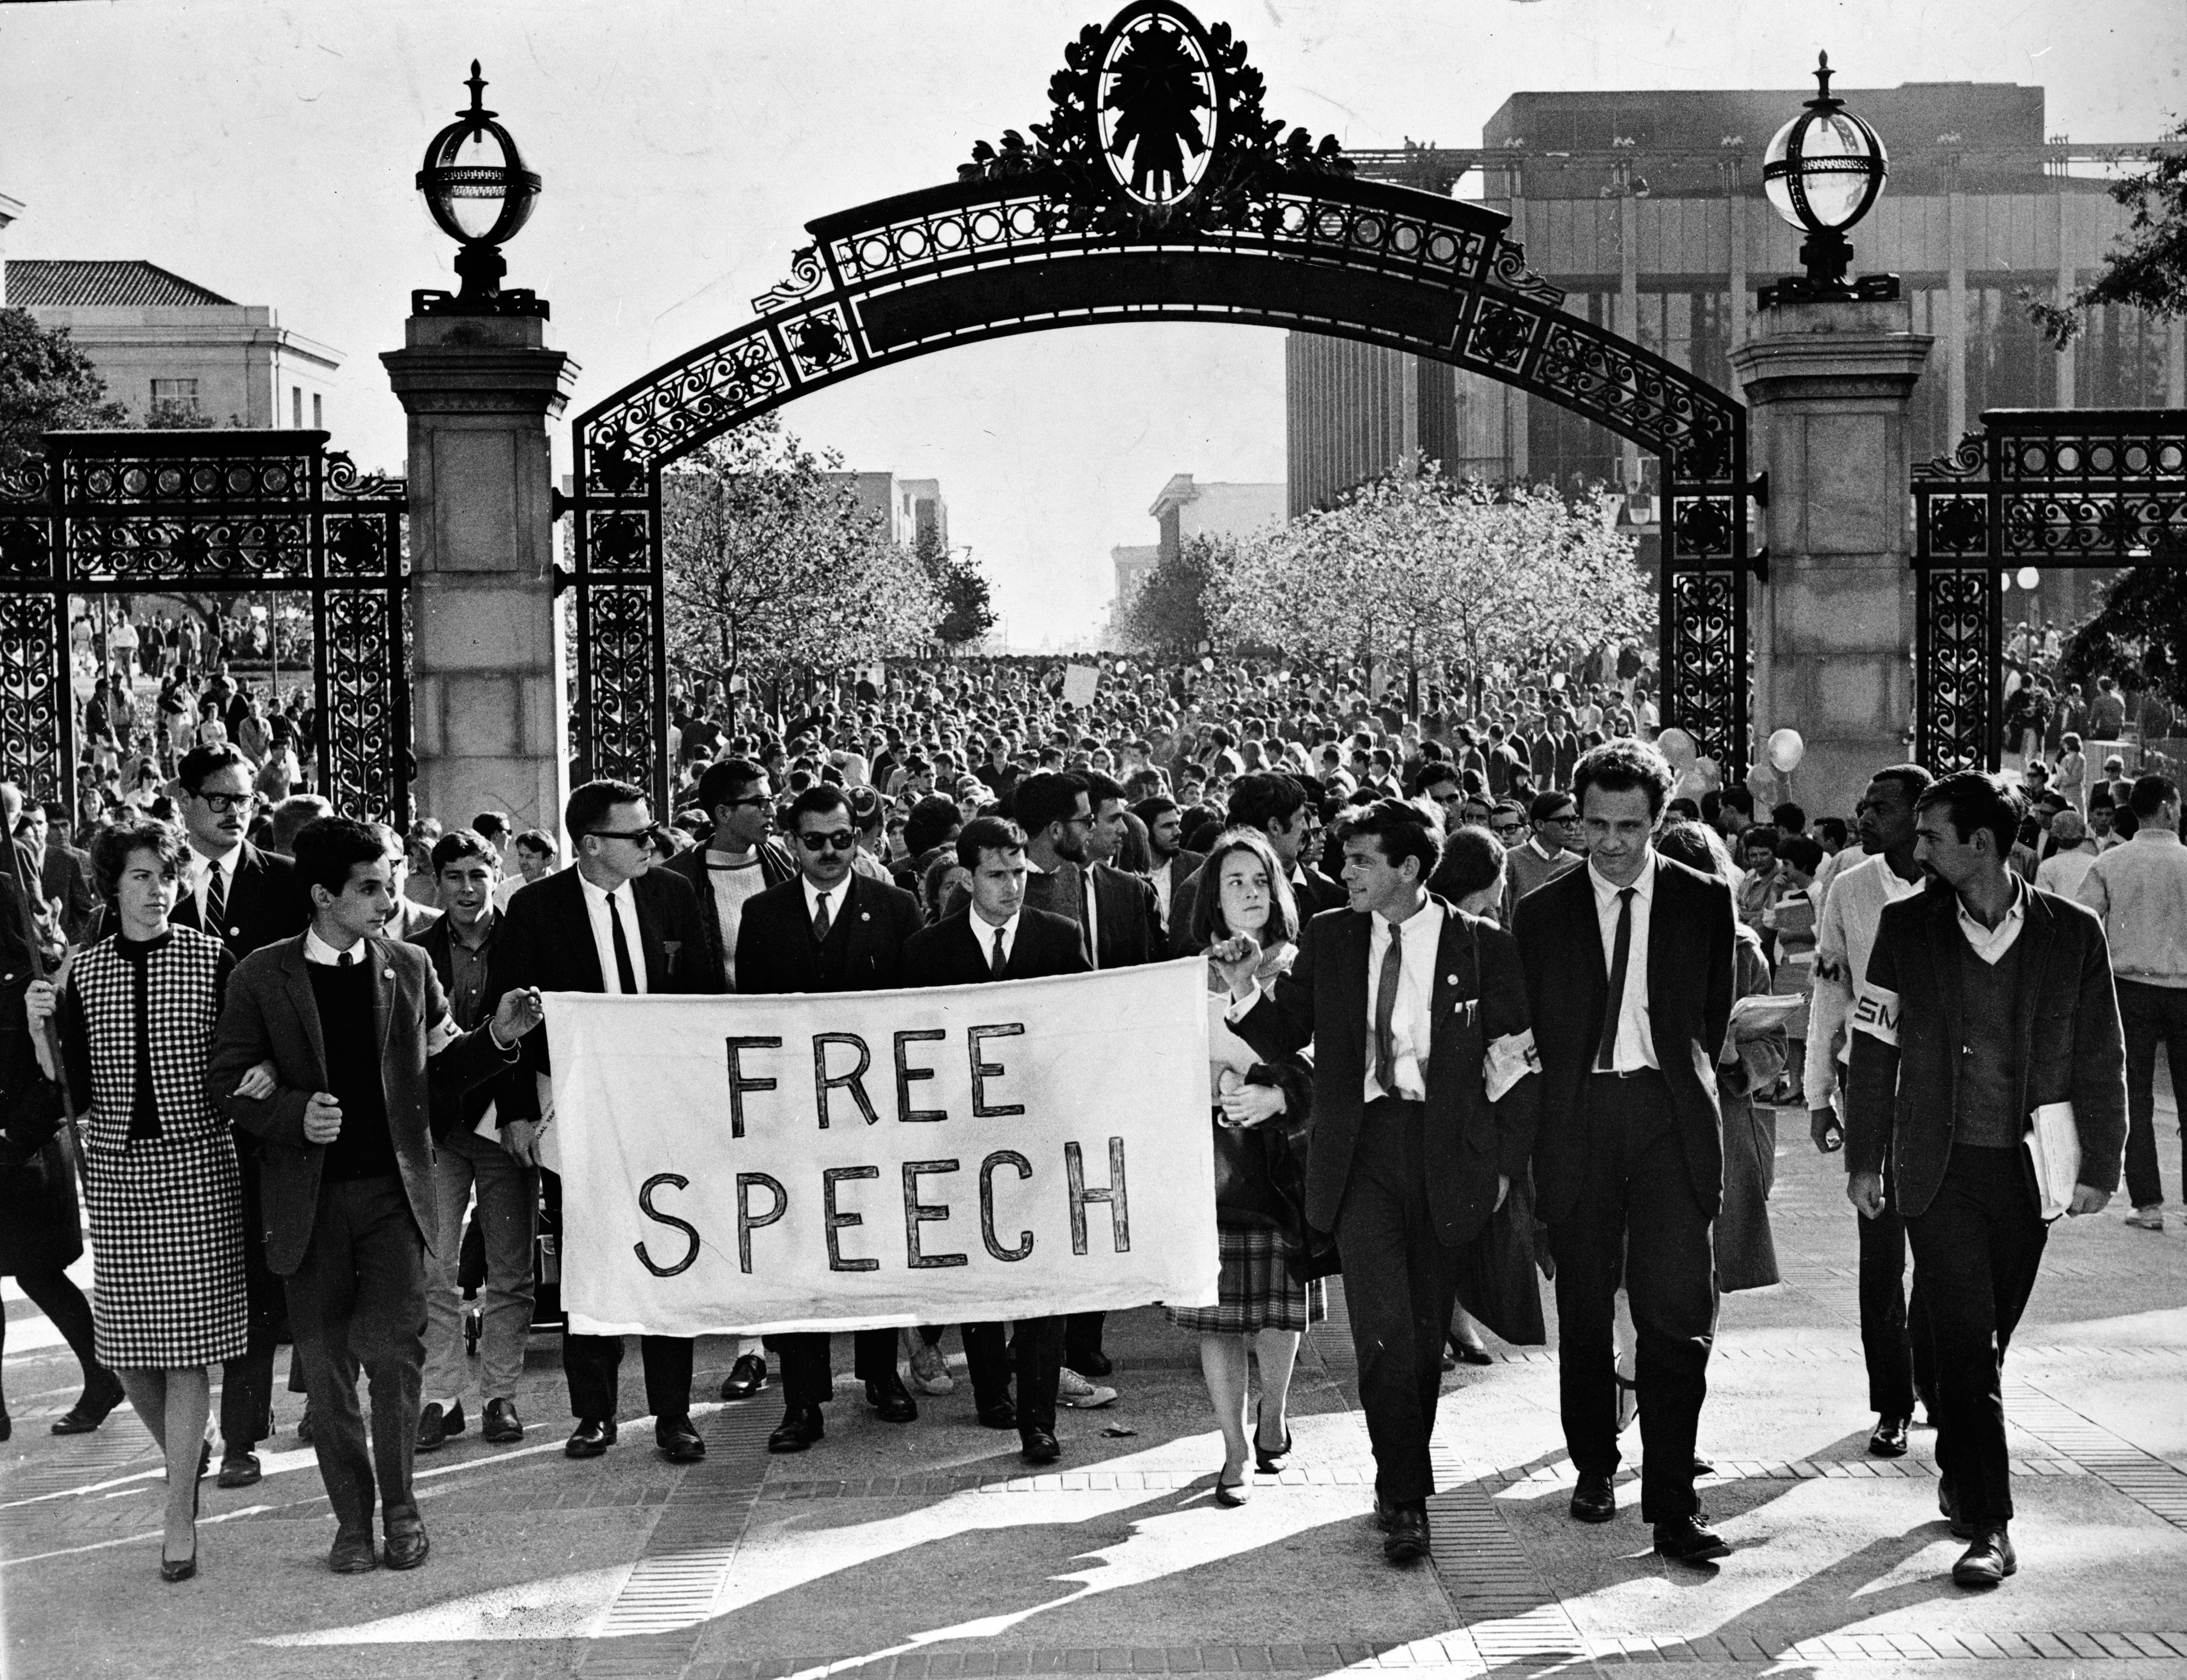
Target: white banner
[(836, 1161)]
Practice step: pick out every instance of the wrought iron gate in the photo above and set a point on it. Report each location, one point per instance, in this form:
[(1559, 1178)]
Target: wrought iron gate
[(216, 512), (2043, 487)]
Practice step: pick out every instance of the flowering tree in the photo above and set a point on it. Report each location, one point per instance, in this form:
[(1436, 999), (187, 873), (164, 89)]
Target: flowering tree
[(1414, 569), (772, 565)]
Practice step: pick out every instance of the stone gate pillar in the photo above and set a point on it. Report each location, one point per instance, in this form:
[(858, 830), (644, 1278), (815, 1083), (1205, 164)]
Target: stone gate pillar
[(489, 701), (1827, 388)]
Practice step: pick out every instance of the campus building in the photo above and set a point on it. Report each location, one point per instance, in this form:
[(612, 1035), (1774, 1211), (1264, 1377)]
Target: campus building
[(1647, 208)]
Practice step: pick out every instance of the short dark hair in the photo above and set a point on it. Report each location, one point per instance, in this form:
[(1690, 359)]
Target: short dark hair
[(1912, 780), (1402, 831), (1207, 923), (493, 824), (458, 844), (1618, 766), (536, 839), (1262, 798), (200, 762), (930, 824), (1802, 853), (1688, 843), (1433, 772), (588, 806), (329, 847), (822, 798), (1151, 809), (988, 833), (1832, 828), (1739, 799), (1976, 801), (1050, 796), (1472, 862), (1790, 819), (1546, 805), (719, 783), (1101, 788), (1763, 834), (2151, 793), (111, 845)]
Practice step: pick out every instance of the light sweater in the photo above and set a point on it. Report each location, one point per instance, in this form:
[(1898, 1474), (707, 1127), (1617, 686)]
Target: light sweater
[(1844, 938), (2140, 890)]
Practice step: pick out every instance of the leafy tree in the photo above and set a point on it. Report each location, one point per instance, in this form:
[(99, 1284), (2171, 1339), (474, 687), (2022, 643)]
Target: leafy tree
[(169, 415), (1416, 569), (46, 384), (772, 567), (2147, 268), (2137, 638), (960, 589), (1169, 611)]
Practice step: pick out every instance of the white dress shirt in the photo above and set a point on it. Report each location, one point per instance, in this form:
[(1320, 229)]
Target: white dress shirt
[(1410, 1020), (1991, 944), (835, 897), (983, 932), (626, 904), (438, 1036), (1088, 900), (226, 864), (1636, 1041)]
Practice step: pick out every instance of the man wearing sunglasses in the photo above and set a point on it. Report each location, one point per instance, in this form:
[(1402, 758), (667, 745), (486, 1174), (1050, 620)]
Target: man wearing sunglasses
[(1548, 855), (611, 923), (831, 930)]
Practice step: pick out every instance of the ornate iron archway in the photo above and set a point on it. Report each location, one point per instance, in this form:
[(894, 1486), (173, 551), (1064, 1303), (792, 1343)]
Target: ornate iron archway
[(2045, 487), (1158, 190), (216, 512)]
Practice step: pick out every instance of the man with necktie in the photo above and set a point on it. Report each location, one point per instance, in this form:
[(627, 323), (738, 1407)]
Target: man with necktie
[(1424, 1113), (1629, 975), (831, 930), (611, 923)]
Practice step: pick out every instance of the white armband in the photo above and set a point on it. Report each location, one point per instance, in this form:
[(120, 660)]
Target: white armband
[(1875, 1013), (441, 1034), (1510, 1059)]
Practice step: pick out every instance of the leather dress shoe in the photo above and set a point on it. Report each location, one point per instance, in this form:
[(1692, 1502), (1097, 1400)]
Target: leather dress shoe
[(1405, 1540), (407, 1544), (240, 1469), (1684, 1541), (678, 1441), (172, 1570), (432, 1428), (891, 1401), (801, 1426), (501, 1424), (1002, 1415), (1039, 1447), (1988, 1561), (1093, 1363), (89, 1412), (1888, 1438), (352, 1553), (746, 1378), (591, 1437), (1593, 1500)]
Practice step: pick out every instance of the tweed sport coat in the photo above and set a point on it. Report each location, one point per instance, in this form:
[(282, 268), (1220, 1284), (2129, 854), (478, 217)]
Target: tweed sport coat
[(1901, 1094), (271, 1012)]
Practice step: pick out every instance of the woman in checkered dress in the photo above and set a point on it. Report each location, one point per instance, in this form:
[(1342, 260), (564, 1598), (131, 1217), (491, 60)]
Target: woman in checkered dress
[(1261, 1309), (136, 1012)]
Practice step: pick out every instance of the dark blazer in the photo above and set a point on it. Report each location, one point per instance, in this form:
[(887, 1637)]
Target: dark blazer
[(271, 1012), (65, 874), (864, 952), (266, 902), (950, 953), (1901, 1099), (1183, 866), (1314, 894), (1127, 920), (1470, 1140), (546, 941), (1689, 987), (776, 866)]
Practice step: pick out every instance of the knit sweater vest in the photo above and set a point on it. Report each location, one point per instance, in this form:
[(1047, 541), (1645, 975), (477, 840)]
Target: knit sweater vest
[(363, 1149), (1989, 1069)]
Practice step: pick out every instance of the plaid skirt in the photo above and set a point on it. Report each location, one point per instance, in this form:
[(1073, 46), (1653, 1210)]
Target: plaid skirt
[(166, 1247), (1256, 1291)]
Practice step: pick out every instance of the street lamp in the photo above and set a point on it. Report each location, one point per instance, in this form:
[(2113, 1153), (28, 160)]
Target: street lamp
[(1823, 171), (480, 201)]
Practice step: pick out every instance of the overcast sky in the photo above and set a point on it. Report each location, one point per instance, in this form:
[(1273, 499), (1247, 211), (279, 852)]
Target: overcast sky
[(268, 151)]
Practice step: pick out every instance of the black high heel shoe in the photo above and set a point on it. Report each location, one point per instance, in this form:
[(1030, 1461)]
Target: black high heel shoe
[(1267, 1461), (173, 1570)]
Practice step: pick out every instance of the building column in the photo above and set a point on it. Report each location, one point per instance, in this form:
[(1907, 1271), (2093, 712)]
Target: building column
[(1828, 386), (2175, 364), (1736, 205), (487, 661), (1629, 313), (1516, 417), (2064, 397), (1955, 313)]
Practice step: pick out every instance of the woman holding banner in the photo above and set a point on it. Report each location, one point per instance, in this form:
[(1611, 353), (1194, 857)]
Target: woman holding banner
[(1260, 1112)]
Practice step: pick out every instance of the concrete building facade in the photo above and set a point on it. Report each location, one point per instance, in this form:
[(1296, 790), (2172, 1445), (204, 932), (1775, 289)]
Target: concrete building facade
[(1184, 510), (908, 509)]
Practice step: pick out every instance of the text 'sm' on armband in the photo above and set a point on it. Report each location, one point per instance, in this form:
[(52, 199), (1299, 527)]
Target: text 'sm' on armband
[(1510, 1059), (1875, 1013)]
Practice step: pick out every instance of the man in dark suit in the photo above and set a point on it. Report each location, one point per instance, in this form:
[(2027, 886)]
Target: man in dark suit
[(998, 937), (1629, 977), (831, 930), (1423, 1114), (350, 1020), (1173, 864), (1276, 805), (610, 923), (247, 899), (64, 873), (1985, 1002), (1056, 812)]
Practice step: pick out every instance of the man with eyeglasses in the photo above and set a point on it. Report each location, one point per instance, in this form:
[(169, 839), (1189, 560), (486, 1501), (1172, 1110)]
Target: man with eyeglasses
[(1507, 821), (831, 930), (246, 898), (1544, 856), (613, 924)]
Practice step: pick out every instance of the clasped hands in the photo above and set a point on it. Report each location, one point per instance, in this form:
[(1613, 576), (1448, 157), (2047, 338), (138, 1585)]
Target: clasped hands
[(1238, 960)]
